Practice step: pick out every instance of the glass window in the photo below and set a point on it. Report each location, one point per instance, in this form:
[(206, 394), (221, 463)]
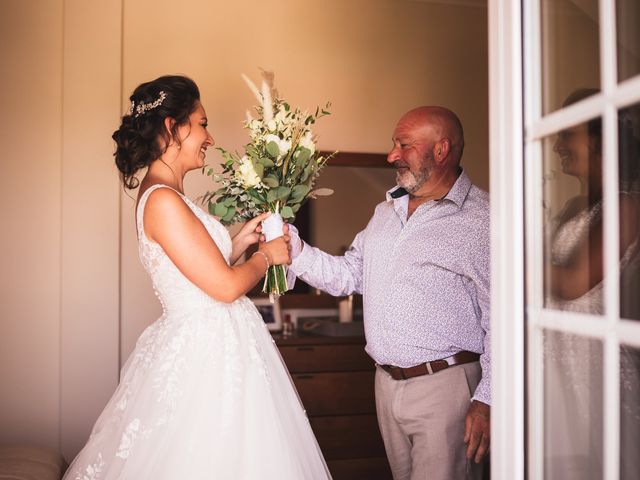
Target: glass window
[(629, 412), (628, 29), (573, 237), (573, 419), (570, 49), (629, 204)]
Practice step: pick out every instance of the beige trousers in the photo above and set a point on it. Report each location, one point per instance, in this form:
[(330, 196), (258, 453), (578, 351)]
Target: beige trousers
[(422, 423)]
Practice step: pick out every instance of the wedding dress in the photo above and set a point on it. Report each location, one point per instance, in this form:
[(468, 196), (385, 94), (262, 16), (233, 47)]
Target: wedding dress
[(574, 441), (204, 395)]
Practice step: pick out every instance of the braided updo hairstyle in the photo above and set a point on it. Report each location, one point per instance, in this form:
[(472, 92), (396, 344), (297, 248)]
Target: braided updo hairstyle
[(142, 136)]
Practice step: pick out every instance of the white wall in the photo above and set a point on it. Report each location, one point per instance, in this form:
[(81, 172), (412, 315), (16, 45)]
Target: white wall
[(73, 296)]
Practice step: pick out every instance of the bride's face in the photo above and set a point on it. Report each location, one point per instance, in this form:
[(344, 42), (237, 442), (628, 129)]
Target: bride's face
[(195, 139), (576, 151)]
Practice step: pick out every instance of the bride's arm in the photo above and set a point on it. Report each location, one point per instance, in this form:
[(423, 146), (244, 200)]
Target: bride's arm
[(169, 222)]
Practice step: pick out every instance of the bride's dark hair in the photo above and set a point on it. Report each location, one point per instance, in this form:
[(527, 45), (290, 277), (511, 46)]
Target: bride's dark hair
[(138, 137)]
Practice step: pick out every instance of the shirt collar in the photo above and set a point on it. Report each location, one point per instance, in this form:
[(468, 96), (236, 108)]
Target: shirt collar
[(457, 194)]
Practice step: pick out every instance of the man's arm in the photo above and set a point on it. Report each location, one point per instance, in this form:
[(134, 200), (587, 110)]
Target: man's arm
[(336, 275), (477, 432)]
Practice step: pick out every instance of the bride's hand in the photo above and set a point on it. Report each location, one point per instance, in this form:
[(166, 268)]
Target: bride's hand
[(277, 250), (248, 235)]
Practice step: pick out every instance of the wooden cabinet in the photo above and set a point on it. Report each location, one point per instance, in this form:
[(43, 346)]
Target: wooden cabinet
[(335, 380)]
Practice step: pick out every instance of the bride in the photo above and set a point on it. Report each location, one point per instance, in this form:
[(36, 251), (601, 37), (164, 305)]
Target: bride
[(205, 394)]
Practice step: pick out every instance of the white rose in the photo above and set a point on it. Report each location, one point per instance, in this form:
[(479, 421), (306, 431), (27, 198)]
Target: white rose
[(307, 142), (271, 125), (283, 145), (247, 174)]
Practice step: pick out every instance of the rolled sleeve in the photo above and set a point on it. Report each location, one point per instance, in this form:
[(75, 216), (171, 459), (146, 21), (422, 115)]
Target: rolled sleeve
[(336, 275)]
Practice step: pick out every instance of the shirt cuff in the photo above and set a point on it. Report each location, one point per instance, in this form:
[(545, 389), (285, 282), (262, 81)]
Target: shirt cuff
[(303, 261), (483, 392)]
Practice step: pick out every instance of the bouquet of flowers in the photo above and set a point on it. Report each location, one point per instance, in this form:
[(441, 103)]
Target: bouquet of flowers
[(276, 173)]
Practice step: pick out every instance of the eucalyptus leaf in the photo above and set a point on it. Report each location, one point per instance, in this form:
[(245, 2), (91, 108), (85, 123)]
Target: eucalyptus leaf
[(227, 202), (267, 162), (259, 169), (296, 207), (299, 191), (303, 155), (229, 215), (282, 192), (220, 210), (273, 150), (272, 195), (286, 212), (270, 181), (321, 192)]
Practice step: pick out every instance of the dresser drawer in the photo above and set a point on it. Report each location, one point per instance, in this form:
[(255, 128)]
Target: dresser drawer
[(339, 393), (360, 469), (353, 436), (326, 358)]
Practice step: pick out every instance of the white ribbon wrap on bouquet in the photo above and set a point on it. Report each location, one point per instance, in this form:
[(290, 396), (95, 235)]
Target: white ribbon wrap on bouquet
[(272, 227)]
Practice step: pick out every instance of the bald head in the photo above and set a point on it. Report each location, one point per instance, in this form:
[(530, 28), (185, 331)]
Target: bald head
[(437, 123)]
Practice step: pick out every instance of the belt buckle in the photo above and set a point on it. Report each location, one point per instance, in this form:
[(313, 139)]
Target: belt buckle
[(400, 372)]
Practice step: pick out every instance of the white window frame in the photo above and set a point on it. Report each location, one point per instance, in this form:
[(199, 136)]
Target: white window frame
[(516, 141)]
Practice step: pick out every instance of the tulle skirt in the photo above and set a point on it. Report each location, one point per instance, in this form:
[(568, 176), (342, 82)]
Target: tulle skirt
[(204, 395)]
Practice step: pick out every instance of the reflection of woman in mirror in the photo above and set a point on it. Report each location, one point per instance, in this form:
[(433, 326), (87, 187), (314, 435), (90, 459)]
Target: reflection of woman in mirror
[(574, 274)]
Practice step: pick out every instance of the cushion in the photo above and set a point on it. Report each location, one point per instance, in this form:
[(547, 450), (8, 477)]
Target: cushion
[(18, 462)]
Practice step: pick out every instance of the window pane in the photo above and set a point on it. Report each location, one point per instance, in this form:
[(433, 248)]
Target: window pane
[(570, 49), (628, 38), (629, 412), (629, 199), (573, 425), (573, 242)]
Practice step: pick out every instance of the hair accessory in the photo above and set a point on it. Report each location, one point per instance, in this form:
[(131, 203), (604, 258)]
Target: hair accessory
[(143, 108)]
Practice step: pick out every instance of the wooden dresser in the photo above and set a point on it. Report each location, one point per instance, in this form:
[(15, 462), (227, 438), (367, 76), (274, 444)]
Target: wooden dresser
[(335, 379)]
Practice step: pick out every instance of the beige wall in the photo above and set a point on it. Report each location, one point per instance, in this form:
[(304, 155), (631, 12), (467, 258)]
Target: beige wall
[(60, 244), (30, 189), (374, 59), (74, 297)]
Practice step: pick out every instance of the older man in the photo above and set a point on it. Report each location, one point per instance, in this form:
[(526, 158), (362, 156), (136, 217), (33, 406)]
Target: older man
[(422, 265)]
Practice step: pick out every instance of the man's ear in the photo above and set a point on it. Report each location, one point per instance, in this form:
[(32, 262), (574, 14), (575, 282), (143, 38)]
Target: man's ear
[(441, 150)]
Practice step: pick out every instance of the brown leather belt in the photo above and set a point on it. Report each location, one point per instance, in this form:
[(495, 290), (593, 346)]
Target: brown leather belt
[(428, 368)]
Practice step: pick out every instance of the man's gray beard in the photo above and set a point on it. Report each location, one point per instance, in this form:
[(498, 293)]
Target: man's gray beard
[(412, 182)]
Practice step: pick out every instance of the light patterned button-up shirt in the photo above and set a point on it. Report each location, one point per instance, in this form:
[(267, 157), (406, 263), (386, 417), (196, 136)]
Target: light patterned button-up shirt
[(424, 280)]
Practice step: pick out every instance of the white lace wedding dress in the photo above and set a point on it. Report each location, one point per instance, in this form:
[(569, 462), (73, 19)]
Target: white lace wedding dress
[(204, 395)]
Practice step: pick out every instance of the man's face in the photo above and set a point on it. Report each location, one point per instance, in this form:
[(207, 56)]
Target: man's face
[(411, 155)]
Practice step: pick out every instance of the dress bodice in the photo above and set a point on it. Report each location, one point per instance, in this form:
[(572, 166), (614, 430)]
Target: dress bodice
[(566, 237), (176, 292)]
